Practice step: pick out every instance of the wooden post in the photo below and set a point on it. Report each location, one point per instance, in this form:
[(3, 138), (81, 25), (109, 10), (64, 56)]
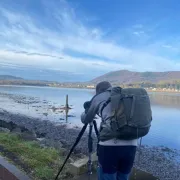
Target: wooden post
[(66, 111), (67, 108), (67, 105)]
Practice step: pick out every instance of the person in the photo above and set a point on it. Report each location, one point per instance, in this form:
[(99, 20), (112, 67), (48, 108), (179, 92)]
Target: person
[(115, 156)]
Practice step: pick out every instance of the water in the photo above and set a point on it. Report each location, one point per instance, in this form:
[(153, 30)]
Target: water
[(165, 130)]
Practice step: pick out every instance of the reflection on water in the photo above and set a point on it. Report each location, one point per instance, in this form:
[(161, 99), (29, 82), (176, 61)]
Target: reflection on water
[(165, 100), (166, 123)]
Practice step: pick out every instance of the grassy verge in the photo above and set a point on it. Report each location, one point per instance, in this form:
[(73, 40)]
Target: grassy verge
[(43, 163)]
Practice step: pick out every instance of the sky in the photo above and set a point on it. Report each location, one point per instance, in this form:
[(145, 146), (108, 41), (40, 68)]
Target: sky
[(78, 40)]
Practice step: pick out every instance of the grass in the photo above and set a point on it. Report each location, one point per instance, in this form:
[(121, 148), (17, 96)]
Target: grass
[(43, 162)]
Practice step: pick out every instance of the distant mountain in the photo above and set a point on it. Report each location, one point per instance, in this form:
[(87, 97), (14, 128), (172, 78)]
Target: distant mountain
[(8, 77), (126, 77), (31, 73)]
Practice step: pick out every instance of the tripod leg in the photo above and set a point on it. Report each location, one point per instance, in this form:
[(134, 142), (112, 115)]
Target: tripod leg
[(72, 149), (95, 128), (90, 147)]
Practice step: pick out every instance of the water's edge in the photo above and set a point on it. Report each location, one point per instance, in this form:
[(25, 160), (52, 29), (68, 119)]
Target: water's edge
[(159, 161)]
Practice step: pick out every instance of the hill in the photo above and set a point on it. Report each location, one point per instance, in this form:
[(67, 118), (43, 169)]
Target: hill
[(127, 77), (13, 80), (8, 77)]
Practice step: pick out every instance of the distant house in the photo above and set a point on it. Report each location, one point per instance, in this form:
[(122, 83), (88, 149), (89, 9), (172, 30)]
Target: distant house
[(90, 86)]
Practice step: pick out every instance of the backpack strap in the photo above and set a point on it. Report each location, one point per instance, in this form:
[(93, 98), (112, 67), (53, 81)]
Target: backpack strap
[(114, 99), (116, 96), (133, 106), (89, 102), (104, 105)]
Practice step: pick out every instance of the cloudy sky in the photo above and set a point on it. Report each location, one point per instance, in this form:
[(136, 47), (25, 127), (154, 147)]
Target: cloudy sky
[(76, 40)]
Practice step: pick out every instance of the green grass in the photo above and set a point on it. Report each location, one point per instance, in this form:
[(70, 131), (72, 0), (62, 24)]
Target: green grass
[(44, 162)]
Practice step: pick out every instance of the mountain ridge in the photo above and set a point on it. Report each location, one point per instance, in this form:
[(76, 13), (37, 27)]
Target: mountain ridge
[(126, 76), (116, 77), (9, 77)]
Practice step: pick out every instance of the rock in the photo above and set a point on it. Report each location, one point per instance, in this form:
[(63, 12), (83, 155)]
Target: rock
[(45, 114), (51, 143), (41, 135), (40, 139), (28, 136), (58, 145), (70, 160), (71, 116), (5, 130), (5, 124), (64, 152), (16, 130), (80, 166)]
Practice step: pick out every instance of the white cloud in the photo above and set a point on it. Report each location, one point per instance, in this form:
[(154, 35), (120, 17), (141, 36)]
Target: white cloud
[(172, 48), (138, 26), (138, 33), (57, 62), (24, 40), (167, 46)]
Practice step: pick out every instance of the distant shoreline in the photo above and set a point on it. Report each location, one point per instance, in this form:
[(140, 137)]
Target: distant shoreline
[(164, 91), (76, 87)]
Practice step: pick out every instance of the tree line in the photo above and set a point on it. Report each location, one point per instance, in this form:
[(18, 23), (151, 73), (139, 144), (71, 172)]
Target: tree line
[(23, 82), (159, 85)]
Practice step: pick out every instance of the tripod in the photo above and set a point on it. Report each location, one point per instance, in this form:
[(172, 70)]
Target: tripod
[(90, 146)]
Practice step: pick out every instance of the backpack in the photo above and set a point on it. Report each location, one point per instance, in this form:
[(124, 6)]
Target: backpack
[(131, 114)]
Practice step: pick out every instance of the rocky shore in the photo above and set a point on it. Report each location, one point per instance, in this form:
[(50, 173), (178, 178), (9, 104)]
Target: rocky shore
[(162, 162), (35, 107)]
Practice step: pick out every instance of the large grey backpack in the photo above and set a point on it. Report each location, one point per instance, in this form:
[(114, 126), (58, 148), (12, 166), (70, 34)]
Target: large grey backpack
[(131, 114)]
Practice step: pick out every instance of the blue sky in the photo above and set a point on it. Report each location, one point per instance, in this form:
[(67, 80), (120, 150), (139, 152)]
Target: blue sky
[(77, 40)]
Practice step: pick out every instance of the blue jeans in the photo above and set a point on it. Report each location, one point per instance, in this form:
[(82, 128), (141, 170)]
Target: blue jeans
[(115, 162)]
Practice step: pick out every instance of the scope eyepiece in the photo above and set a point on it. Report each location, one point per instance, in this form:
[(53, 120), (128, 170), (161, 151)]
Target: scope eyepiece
[(87, 104)]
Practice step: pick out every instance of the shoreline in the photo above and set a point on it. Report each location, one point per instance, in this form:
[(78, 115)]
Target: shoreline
[(159, 161), (85, 88), (36, 107), (161, 91), (46, 129)]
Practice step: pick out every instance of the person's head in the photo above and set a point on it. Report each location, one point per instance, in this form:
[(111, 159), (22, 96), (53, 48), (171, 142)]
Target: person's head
[(102, 86)]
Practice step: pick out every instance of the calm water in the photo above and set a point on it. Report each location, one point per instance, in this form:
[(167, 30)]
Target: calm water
[(165, 129)]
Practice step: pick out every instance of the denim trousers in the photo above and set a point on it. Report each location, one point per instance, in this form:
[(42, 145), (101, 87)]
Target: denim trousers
[(115, 162)]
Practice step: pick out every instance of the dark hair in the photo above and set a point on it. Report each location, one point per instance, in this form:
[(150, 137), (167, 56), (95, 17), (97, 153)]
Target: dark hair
[(102, 86)]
